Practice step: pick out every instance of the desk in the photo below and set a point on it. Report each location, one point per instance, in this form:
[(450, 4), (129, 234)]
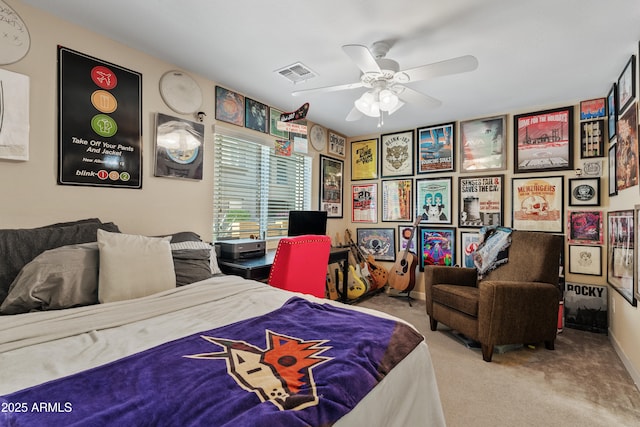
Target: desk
[(258, 268)]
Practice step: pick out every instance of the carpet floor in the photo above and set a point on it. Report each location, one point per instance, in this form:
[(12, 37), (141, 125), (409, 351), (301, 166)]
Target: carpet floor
[(581, 383)]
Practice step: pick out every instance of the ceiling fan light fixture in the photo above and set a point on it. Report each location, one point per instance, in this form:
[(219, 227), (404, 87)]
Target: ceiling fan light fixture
[(368, 105), (388, 100)]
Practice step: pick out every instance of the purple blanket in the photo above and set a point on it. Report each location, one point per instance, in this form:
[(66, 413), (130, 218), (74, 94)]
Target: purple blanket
[(304, 364)]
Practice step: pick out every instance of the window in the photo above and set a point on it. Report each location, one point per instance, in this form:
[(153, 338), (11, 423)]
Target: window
[(254, 190)]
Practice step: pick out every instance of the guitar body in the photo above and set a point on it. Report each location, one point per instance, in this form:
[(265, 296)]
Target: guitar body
[(356, 286), (378, 274), (332, 290), (402, 275)]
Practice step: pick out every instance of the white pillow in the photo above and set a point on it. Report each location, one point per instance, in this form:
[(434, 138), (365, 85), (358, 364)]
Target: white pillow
[(133, 266)]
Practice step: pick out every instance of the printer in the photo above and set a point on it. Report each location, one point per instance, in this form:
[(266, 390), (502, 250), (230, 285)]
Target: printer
[(241, 248)]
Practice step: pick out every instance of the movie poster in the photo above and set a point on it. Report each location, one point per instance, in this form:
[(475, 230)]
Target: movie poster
[(100, 122), (585, 307)]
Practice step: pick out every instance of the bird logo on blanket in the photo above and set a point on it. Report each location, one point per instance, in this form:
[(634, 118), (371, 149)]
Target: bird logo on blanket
[(281, 374)]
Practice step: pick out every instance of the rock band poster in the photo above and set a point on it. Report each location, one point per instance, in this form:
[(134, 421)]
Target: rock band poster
[(99, 122)]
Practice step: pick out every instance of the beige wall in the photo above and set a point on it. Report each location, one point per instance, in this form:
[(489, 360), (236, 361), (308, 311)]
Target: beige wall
[(29, 195)]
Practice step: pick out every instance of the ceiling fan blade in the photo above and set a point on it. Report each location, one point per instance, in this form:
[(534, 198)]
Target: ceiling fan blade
[(363, 58), (327, 89), (414, 97), (461, 64), (354, 115)]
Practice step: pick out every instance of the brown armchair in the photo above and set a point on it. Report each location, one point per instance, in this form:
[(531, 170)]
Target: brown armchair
[(517, 303)]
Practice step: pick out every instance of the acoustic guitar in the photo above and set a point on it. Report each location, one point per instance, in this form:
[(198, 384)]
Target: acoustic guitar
[(402, 275)]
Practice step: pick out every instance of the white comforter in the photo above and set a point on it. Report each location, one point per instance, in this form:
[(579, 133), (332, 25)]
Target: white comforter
[(37, 347)]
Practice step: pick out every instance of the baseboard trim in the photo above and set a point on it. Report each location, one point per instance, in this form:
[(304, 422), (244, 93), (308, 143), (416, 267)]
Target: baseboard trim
[(635, 375)]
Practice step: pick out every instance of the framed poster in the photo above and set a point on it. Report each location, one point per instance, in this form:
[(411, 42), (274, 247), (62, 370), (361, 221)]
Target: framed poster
[(469, 241), (620, 253), (433, 200), (480, 200), (365, 203), (585, 227), (483, 144), (627, 149), (585, 307), (397, 200), (229, 106), (543, 140), (437, 246), (407, 235), (612, 110), (331, 186), (99, 122), (592, 139), (14, 113), (255, 115), (379, 242), (436, 148), (592, 109), (364, 159), (274, 118), (396, 154), (613, 173), (179, 147), (585, 260), (537, 203), (627, 85), (584, 192), (337, 144)]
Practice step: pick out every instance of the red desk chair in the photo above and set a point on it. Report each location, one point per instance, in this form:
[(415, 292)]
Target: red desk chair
[(300, 264)]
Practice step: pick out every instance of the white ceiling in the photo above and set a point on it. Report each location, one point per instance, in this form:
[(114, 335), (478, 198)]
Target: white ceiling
[(532, 54)]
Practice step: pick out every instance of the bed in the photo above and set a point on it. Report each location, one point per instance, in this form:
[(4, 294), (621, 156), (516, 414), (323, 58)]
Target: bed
[(216, 350)]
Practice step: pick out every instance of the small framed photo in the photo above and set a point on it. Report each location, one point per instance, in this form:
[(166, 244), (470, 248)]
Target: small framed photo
[(592, 109), (437, 246), (592, 138), (229, 106), (433, 200), (436, 148), (407, 236), (331, 186), (364, 159), (179, 147), (620, 253), (483, 144), (274, 118), (585, 227), (584, 191), (397, 200), (480, 200), (613, 182), (337, 144), (612, 110), (585, 260), (396, 154), (543, 140), (255, 116), (627, 85), (365, 203), (469, 241), (379, 242), (538, 203)]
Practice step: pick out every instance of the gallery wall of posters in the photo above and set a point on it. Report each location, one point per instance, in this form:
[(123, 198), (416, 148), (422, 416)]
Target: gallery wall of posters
[(100, 122)]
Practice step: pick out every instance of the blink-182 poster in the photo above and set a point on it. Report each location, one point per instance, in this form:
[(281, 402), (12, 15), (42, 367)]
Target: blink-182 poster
[(99, 122)]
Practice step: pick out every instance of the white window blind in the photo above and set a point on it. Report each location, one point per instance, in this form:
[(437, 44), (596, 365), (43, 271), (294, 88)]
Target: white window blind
[(254, 189)]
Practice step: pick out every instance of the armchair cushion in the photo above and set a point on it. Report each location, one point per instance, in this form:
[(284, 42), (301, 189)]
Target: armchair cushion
[(461, 298)]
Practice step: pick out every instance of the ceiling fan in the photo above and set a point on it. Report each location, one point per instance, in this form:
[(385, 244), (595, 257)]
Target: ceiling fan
[(387, 83)]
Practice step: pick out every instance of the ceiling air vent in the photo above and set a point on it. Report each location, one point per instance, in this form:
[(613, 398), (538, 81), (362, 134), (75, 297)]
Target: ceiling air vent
[(296, 73)]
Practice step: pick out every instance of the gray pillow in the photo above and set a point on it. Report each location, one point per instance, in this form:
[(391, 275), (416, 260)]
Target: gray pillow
[(58, 278), (20, 246), (191, 265)]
